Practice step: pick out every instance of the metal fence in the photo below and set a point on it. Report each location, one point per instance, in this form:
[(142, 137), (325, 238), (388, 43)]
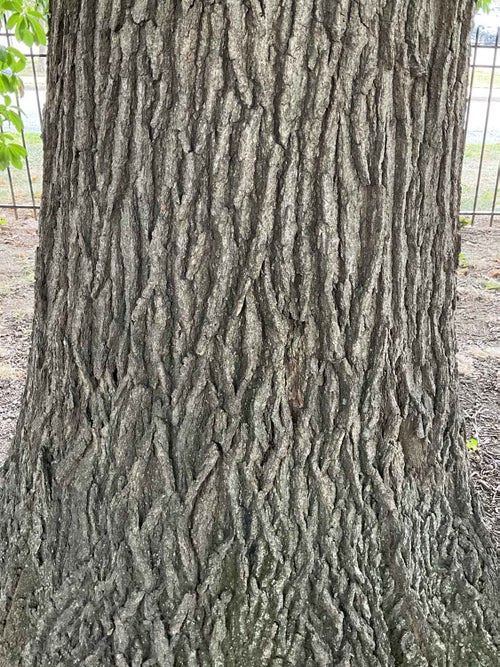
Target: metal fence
[(21, 189), (481, 167)]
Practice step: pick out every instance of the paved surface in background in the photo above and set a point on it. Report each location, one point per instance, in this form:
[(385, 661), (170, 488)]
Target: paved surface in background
[(477, 118)]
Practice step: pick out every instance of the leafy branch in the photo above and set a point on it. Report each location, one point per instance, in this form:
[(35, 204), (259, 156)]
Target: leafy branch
[(27, 20)]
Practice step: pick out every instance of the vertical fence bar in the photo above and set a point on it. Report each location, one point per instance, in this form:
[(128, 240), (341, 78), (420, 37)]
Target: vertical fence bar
[(486, 122), (35, 81), (12, 192), (497, 181), (471, 82), (495, 196)]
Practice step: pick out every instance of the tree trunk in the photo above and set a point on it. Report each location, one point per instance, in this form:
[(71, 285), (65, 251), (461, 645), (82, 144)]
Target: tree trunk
[(240, 442)]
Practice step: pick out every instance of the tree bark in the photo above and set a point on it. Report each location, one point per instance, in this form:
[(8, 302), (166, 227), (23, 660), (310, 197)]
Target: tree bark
[(240, 443)]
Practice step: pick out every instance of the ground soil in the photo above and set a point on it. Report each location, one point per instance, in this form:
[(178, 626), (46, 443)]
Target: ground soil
[(18, 241), (478, 333)]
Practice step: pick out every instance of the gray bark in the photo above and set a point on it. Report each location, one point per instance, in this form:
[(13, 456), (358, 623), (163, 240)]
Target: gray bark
[(240, 442)]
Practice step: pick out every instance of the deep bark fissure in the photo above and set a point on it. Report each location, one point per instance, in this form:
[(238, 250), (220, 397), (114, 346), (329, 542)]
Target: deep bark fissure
[(240, 441)]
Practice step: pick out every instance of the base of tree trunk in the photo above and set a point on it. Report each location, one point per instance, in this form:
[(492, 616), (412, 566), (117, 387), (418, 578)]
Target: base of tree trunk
[(353, 576)]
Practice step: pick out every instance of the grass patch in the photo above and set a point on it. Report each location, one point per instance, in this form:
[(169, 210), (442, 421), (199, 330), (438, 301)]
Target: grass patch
[(488, 177), (33, 138), (20, 177), (482, 78), (22, 193)]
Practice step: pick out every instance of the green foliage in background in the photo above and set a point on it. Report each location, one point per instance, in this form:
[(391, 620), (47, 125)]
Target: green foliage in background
[(28, 21), (484, 5)]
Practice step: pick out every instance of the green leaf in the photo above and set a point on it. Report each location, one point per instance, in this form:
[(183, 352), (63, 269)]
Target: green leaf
[(484, 5), (16, 155), (491, 284), (17, 150), (17, 60), (472, 444), (8, 84), (14, 118), (462, 261), (23, 32), (12, 5), (13, 20), (38, 30)]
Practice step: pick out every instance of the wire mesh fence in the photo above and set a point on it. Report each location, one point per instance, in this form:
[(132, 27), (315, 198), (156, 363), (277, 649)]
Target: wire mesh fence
[(21, 189)]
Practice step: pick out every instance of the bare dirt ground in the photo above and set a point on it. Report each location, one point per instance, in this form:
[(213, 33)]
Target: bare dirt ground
[(478, 331), (18, 240)]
